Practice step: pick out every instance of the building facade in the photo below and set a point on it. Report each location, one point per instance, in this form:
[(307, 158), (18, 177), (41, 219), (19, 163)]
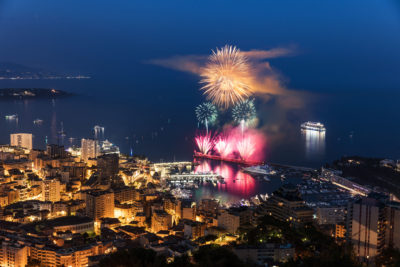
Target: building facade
[(23, 140)]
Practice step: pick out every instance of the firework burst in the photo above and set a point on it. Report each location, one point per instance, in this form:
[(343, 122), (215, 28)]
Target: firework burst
[(244, 112), (205, 143), (223, 146), (226, 77), (246, 148), (206, 114)]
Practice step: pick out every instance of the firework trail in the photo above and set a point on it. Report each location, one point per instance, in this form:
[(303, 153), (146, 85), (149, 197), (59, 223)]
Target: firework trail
[(205, 143), (246, 148), (223, 147), (226, 77), (206, 114), (244, 112)]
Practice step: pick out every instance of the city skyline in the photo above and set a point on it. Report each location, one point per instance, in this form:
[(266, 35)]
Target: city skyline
[(199, 133)]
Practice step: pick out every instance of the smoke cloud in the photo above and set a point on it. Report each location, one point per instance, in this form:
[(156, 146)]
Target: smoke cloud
[(266, 82)]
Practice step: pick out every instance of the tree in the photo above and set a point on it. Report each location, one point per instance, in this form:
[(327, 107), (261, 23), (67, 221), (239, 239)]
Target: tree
[(216, 256), (135, 257)]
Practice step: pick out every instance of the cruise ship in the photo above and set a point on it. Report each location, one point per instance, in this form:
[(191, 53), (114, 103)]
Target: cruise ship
[(313, 126)]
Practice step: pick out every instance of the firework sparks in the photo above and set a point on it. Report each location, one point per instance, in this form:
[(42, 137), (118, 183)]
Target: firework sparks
[(206, 114), (244, 112), (205, 143), (246, 148), (223, 147), (226, 77)]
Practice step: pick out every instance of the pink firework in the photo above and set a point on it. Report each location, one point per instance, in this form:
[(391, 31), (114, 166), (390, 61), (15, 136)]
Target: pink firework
[(223, 146), (246, 147), (205, 143)]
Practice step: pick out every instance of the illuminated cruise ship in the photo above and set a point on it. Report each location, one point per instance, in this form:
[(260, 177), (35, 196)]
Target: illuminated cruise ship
[(313, 126)]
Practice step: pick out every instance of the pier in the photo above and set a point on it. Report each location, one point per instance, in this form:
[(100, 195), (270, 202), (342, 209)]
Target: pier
[(202, 177), (232, 160)]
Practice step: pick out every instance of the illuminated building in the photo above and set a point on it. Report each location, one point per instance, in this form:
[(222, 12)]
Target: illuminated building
[(63, 208), (173, 207), (209, 205), (23, 140), (124, 211), (89, 149), (99, 204), (13, 254), (140, 219), (126, 195), (286, 204), (160, 221), (193, 230), (107, 166), (55, 151), (188, 210), (75, 224), (75, 257), (340, 231), (3, 200), (13, 196), (228, 221), (265, 252), (330, 215), (366, 232), (51, 189), (373, 225)]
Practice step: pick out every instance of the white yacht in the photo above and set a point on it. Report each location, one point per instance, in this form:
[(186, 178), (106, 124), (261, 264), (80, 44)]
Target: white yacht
[(12, 117), (260, 170), (38, 121)]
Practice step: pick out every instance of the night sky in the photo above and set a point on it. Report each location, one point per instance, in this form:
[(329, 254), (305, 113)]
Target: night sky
[(345, 54)]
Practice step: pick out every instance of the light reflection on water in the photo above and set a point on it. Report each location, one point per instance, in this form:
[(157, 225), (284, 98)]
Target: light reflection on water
[(314, 143), (237, 185)]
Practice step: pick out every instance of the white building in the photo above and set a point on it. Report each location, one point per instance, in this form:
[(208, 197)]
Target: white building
[(23, 140), (331, 215), (13, 254), (51, 190), (89, 149), (229, 222)]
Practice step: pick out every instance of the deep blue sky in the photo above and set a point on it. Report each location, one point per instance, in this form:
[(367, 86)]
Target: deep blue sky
[(348, 53), (342, 45)]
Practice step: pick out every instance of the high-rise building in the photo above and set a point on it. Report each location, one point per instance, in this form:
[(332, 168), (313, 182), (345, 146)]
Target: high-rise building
[(55, 151), (160, 221), (188, 210), (107, 166), (286, 204), (99, 204), (193, 229), (23, 140), (51, 190), (89, 149), (229, 221), (373, 224), (13, 254)]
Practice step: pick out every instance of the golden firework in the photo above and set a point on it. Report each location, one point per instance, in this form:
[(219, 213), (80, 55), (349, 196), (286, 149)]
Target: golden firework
[(226, 77)]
